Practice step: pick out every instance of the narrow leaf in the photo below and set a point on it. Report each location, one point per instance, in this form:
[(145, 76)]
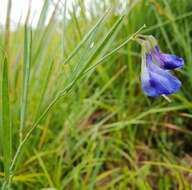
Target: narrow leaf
[(26, 73), (6, 121), (86, 37)]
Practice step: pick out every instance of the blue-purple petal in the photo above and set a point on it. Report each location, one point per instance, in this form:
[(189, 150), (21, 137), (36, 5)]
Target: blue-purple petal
[(167, 61), (156, 81)]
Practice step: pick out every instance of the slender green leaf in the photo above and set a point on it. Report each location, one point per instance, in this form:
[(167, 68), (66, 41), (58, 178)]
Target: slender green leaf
[(6, 121), (26, 74), (85, 38)]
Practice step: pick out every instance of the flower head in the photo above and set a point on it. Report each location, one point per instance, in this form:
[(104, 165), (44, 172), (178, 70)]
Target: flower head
[(155, 77)]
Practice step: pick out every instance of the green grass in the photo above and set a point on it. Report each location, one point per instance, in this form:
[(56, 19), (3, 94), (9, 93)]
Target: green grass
[(73, 114)]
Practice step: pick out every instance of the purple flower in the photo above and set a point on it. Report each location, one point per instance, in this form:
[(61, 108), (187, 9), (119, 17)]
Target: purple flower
[(155, 80), (166, 61), (155, 76)]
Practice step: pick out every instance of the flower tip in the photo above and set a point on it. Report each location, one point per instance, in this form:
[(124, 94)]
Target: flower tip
[(171, 61)]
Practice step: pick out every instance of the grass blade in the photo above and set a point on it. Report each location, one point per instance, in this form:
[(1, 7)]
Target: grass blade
[(78, 74), (26, 73), (86, 37), (6, 121), (7, 27)]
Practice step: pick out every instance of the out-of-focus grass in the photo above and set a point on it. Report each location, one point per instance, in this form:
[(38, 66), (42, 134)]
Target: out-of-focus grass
[(78, 114)]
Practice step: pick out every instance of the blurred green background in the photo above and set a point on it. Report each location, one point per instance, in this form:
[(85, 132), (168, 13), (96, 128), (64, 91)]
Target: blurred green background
[(74, 115)]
